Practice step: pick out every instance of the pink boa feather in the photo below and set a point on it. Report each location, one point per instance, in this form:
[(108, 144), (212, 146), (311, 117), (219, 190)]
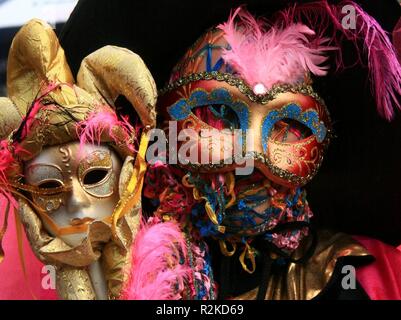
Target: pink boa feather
[(156, 273), (7, 163)]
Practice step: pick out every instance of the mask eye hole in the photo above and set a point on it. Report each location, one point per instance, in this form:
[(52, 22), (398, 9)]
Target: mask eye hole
[(95, 176), (50, 184), (289, 130), (218, 116)]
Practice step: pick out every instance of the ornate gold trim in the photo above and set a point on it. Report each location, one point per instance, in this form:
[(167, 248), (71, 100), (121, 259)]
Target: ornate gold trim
[(306, 281), (303, 88)]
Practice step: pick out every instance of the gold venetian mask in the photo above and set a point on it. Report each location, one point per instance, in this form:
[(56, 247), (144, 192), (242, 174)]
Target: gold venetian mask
[(88, 177), (72, 165)]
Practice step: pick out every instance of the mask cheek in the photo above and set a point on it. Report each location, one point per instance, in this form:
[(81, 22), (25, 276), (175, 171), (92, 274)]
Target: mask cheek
[(295, 137), (294, 163), (48, 203)]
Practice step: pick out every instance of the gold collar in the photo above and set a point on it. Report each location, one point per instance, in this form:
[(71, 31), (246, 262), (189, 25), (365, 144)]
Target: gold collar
[(305, 281)]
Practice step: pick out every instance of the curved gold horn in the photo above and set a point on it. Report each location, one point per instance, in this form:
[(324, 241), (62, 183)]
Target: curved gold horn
[(35, 59), (113, 71), (10, 117)]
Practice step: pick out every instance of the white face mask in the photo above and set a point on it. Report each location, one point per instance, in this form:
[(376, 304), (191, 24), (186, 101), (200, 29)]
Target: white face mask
[(88, 177)]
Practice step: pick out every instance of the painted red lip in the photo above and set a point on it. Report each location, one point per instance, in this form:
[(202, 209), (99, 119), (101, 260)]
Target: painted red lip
[(80, 222)]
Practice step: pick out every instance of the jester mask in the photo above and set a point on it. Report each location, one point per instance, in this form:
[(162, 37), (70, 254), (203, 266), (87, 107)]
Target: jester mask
[(72, 161)]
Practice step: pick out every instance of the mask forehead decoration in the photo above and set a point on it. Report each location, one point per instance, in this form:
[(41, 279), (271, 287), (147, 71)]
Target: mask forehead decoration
[(71, 163)]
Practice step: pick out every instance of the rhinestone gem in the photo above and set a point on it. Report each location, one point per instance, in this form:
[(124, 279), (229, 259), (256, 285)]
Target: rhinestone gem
[(49, 206)]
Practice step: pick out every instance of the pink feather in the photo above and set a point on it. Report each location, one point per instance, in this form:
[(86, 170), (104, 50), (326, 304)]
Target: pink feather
[(271, 54), (384, 67), (156, 272), (101, 122), (8, 204)]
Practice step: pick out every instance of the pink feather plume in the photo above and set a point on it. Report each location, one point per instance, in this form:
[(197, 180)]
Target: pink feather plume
[(270, 55), (369, 38), (8, 204), (156, 272), (101, 122)]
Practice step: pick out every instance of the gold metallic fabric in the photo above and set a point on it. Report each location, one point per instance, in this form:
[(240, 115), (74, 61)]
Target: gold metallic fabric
[(37, 63), (306, 281), (10, 117), (74, 284), (112, 71), (35, 59)]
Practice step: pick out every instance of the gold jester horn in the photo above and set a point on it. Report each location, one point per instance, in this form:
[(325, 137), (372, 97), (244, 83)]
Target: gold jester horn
[(108, 73), (35, 60), (112, 71)]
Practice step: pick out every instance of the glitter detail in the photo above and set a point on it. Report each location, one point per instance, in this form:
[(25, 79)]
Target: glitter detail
[(199, 97)]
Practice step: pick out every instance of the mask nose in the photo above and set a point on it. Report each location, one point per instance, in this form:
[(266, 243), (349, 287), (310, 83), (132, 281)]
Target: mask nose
[(78, 198), (253, 141)]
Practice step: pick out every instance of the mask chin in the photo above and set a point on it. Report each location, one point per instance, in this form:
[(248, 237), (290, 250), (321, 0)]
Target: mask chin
[(75, 239)]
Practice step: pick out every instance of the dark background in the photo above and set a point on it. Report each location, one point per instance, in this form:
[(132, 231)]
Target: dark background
[(358, 187)]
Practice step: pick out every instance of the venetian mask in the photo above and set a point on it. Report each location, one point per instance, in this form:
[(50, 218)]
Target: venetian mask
[(90, 173), (71, 164), (288, 122), (229, 86), (256, 76)]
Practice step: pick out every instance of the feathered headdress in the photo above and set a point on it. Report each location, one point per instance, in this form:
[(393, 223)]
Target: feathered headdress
[(297, 43), (268, 55)]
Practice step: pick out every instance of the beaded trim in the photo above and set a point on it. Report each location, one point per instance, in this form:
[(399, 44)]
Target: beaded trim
[(304, 88), (261, 158), (37, 190)]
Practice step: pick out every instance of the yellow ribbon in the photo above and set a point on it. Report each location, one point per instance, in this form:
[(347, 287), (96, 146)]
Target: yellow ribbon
[(224, 250), (248, 253), (133, 192), (208, 207), (230, 179)]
